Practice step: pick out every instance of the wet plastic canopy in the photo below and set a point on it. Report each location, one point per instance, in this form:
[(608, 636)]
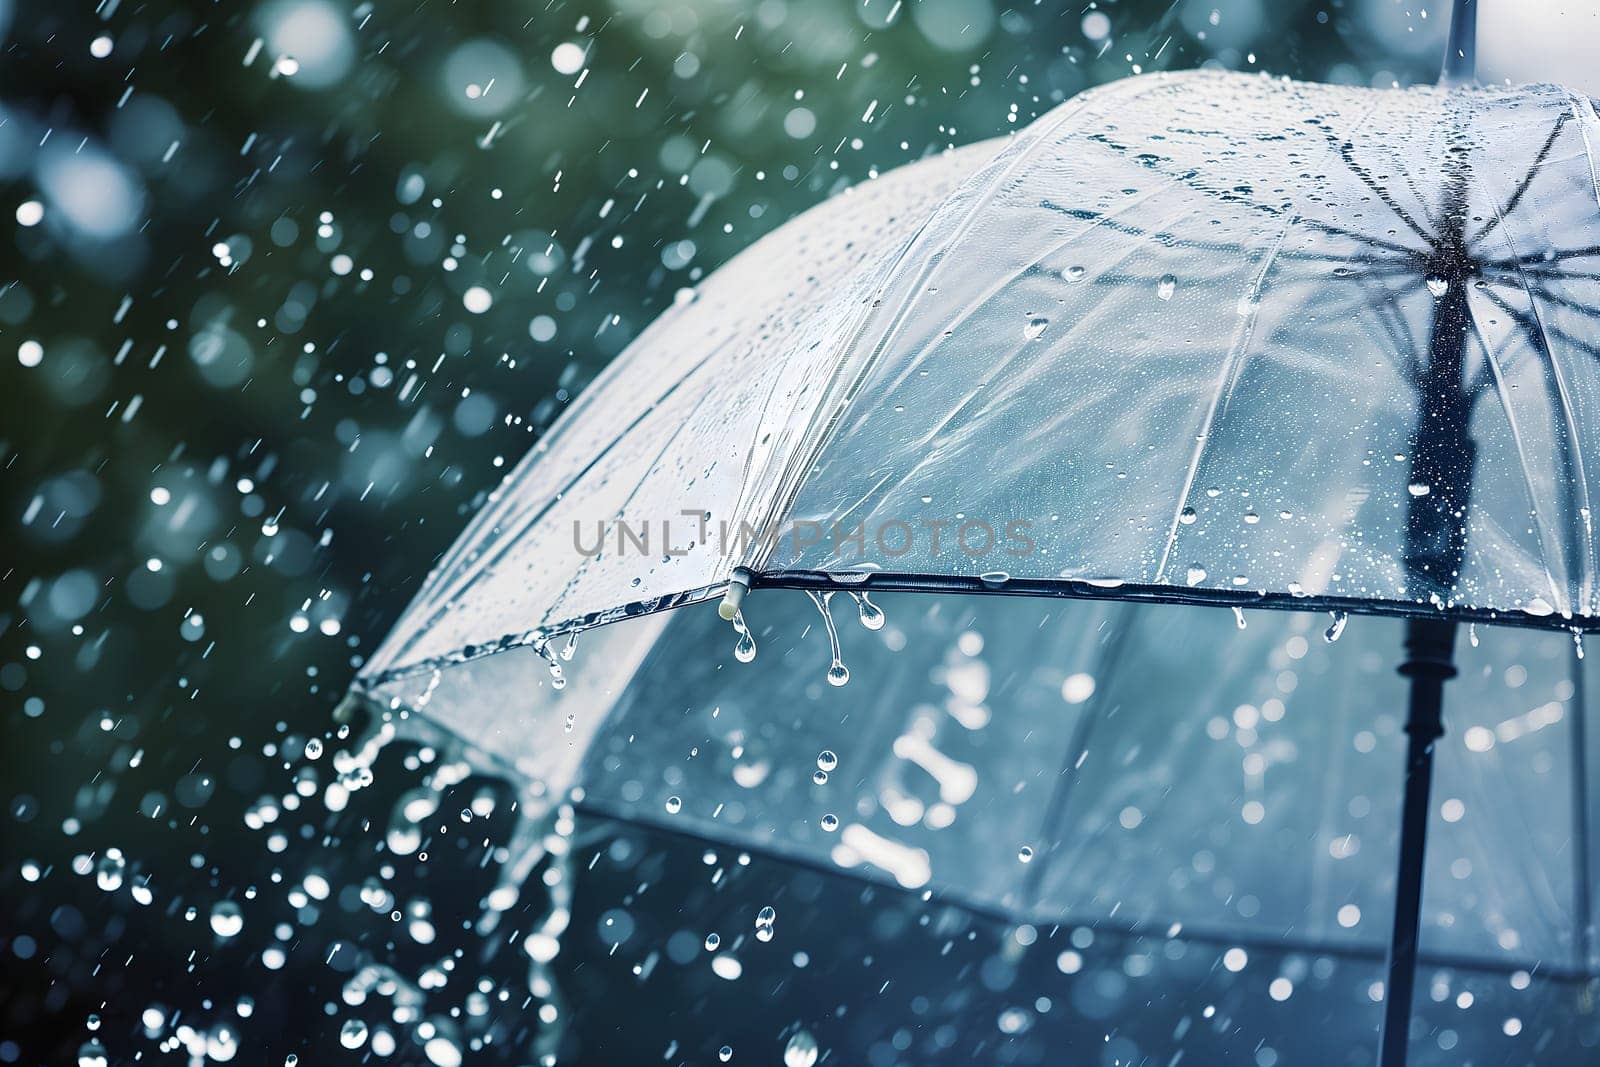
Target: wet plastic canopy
[(1147, 768), (1177, 328)]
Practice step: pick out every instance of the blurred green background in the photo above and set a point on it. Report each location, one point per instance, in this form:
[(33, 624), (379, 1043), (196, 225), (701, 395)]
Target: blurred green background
[(288, 286)]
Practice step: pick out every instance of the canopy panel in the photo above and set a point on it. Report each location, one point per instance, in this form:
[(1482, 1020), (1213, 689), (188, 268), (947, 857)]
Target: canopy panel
[(1180, 336)]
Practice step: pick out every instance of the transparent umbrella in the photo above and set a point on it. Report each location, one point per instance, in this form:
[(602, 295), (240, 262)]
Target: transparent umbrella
[(1204, 338)]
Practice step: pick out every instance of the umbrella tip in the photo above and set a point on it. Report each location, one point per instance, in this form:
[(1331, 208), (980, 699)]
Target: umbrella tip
[(738, 586)]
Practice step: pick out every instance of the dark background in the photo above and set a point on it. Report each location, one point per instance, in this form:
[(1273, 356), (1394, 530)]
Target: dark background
[(246, 404)]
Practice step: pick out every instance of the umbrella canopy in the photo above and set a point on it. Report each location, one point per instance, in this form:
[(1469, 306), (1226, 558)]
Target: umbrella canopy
[(1199, 338), (1173, 338)]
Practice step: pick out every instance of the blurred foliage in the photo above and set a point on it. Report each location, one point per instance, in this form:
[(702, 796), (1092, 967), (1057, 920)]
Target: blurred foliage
[(287, 286)]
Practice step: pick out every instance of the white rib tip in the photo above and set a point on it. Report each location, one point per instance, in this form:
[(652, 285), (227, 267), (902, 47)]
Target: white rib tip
[(738, 586)]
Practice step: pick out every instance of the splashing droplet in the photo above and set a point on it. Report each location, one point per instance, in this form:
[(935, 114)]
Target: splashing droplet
[(1336, 628)]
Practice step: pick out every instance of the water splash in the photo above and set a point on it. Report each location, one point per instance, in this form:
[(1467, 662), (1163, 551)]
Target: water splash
[(838, 673), (558, 677), (1335, 629)]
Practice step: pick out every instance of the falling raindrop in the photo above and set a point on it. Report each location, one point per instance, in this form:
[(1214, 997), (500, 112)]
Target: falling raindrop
[(871, 615), (1035, 327), (1336, 628), (226, 921), (1238, 616), (801, 1051), (838, 673), (1166, 286), (353, 1034)]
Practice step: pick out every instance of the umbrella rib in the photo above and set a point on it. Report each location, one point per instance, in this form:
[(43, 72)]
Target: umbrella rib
[(1225, 380), (1527, 181), (1347, 153), (1072, 758)]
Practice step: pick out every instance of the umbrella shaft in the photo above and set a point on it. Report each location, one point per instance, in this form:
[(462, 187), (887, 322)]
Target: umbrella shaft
[(1430, 648)]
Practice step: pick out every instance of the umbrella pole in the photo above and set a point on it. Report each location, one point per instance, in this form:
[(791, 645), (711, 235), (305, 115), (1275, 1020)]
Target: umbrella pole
[(1430, 651)]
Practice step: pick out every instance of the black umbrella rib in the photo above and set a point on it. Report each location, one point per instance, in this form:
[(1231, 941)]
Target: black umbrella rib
[(1170, 240), (1527, 180), (1347, 153), (1541, 332)]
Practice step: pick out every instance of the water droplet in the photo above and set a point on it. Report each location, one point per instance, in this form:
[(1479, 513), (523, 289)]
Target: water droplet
[(1238, 616), (570, 649), (1437, 286), (226, 921), (1187, 516), (1025, 854), (1472, 634), (314, 748), (838, 673), (801, 1051), (1336, 628), (93, 1054), (725, 1053), (674, 805), (1035, 327), (827, 760), (819, 777), (1166, 286), (713, 940), (353, 1034), (1251, 518), (994, 577), (1074, 273), (1197, 574), (1577, 641), (558, 677), (1419, 488), (744, 649), (871, 615), (830, 822)]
